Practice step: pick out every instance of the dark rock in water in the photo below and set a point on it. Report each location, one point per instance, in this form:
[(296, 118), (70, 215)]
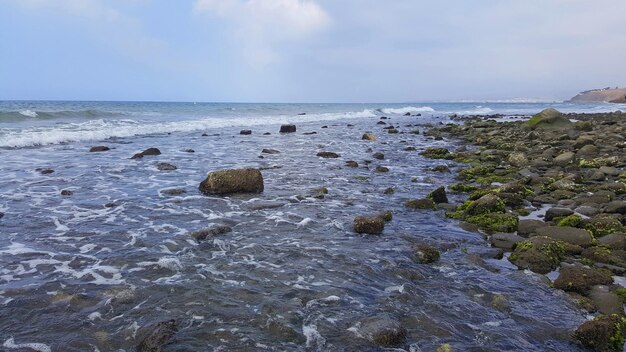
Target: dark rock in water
[(233, 181), (489, 203), (382, 169), (352, 163), (389, 190), (369, 225), (205, 135), (287, 128), (580, 279), (379, 156), (436, 153), (66, 192), (283, 332), (324, 126), (539, 254), (100, 148), (567, 234), (266, 134), (202, 235), (166, 167), (381, 123), (302, 114), (245, 132), (384, 331), (425, 254), (154, 337), (188, 150), (420, 204), (603, 334), (309, 133), (557, 213), (505, 240), (440, 168), (270, 151), (349, 125), (173, 191), (383, 117), (45, 171), (149, 151), (439, 195), (369, 136), (262, 205), (328, 155), (407, 114), (1, 215)]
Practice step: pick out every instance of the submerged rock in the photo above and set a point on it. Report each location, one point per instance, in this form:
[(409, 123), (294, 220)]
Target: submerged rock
[(66, 192), (288, 128), (352, 163), (378, 156), (203, 234), (173, 191), (425, 254), (156, 336), (149, 151), (100, 148), (166, 167), (603, 334), (424, 203), (369, 225), (270, 151), (328, 155), (245, 132), (384, 331), (439, 195), (369, 136), (233, 181), (382, 169)]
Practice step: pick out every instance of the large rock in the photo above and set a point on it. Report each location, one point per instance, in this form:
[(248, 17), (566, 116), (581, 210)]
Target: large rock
[(369, 225), (564, 159), (327, 155), (439, 195), (505, 240), (489, 203), (567, 234), (605, 333), (233, 181), (580, 279), (425, 254), (100, 148), (527, 227), (539, 254), (549, 119), (557, 212), (288, 128), (155, 337), (384, 331), (149, 151)]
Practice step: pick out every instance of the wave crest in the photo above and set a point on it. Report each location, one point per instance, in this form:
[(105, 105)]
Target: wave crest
[(407, 109)]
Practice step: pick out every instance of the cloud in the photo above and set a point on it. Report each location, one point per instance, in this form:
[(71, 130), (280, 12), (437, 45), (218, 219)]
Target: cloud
[(261, 26)]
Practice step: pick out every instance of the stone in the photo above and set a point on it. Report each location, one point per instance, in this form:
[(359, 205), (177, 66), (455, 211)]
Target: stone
[(369, 225), (442, 168), (352, 163), (245, 132), (505, 240), (288, 128), (420, 204), (369, 136), (604, 224), (382, 169), (425, 254), (156, 336), (606, 302), (557, 212), (616, 207), (46, 171), (489, 203), (233, 181), (564, 159), (526, 227), (518, 159), (378, 156), (66, 192), (603, 334), (328, 155), (549, 119), (383, 331), (166, 167), (615, 241), (539, 254), (567, 234), (439, 195), (211, 232), (100, 148), (587, 151), (149, 151), (580, 279), (173, 191), (270, 151)]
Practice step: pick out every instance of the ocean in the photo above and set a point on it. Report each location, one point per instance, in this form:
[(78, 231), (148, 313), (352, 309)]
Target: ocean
[(95, 247)]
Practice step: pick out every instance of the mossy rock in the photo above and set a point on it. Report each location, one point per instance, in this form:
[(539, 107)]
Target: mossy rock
[(605, 333), (425, 254), (573, 220), (233, 181), (604, 224), (581, 279), (463, 188), (489, 203), (436, 153), (424, 203), (472, 173), (369, 225), (495, 222), (549, 119), (539, 254)]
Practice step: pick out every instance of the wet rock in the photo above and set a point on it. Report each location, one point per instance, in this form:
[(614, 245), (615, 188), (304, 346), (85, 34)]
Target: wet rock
[(369, 136), (527, 227), (505, 240), (309, 133), (549, 119), (616, 206), (352, 163), (210, 232), (270, 151), (441, 168), (489, 203), (424, 203), (100, 148), (267, 204), (245, 132), (188, 151), (378, 156), (557, 213), (288, 128), (389, 190), (603, 334), (538, 254), (439, 195), (605, 301), (384, 331), (156, 336), (382, 169), (369, 225), (580, 279), (233, 181), (173, 191), (149, 151), (609, 170), (425, 254), (604, 224), (66, 192), (283, 332), (587, 210), (45, 171), (436, 153), (613, 241), (567, 234), (166, 167), (328, 155), (564, 159)]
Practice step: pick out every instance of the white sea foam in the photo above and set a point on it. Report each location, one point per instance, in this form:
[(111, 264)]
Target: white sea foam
[(40, 347), (407, 109), (28, 113)]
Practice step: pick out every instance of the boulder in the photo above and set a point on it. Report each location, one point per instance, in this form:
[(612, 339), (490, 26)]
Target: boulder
[(328, 155), (155, 337), (100, 148), (604, 224), (580, 279), (149, 151), (564, 159), (378, 156), (233, 181), (288, 128), (439, 195), (383, 331), (613, 241), (489, 203), (166, 167), (616, 206), (369, 136), (425, 254), (518, 159), (557, 212), (245, 132), (527, 227), (382, 169), (549, 119), (505, 240), (420, 204), (567, 234), (352, 163), (210, 232), (539, 254), (369, 225), (270, 151), (603, 334)]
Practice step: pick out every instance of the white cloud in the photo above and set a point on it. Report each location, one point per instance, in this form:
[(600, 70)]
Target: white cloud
[(260, 26)]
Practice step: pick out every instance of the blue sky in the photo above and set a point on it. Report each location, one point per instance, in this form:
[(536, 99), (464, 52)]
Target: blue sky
[(309, 50)]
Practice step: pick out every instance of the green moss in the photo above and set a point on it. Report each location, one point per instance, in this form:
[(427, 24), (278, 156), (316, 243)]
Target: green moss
[(463, 187), (495, 222), (604, 225), (506, 146), (598, 162), (457, 215), (481, 192), (476, 171), (571, 221), (523, 246), (621, 291), (387, 216), (389, 190), (617, 340), (522, 211), (392, 131), (487, 180)]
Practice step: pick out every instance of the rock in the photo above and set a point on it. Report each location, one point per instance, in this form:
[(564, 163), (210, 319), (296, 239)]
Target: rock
[(352, 163), (436, 153), (425, 254), (580, 279), (369, 136), (604, 224), (616, 206), (567, 234), (166, 167), (603, 334), (309, 133), (557, 213), (539, 254), (188, 151), (245, 132), (609, 170), (46, 171), (155, 336), (583, 141), (328, 155), (442, 168), (382, 169), (614, 241), (392, 131), (549, 119), (100, 148), (202, 235), (564, 159), (173, 191), (384, 331), (439, 195), (369, 225), (233, 181), (420, 204), (587, 210), (389, 190), (378, 156), (149, 151), (494, 222), (518, 159), (270, 151), (587, 151), (489, 203), (66, 192), (505, 240), (288, 128), (527, 227), (605, 301)]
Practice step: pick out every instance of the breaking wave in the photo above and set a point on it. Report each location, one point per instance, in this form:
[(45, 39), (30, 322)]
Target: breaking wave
[(407, 109)]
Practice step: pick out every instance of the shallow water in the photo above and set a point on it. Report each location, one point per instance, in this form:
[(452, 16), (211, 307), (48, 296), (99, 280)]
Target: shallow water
[(85, 272)]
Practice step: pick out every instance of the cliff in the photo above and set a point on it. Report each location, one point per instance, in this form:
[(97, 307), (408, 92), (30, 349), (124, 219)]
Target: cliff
[(611, 95)]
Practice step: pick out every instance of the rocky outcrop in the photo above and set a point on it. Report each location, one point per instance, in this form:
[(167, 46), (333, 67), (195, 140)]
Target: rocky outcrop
[(287, 128), (608, 95), (233, 181), (100, 148), (369, 225), (155, 337), (149, 151), (549, 119)]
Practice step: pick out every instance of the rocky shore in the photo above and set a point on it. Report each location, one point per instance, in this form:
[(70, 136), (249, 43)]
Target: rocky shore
[(551, 192)]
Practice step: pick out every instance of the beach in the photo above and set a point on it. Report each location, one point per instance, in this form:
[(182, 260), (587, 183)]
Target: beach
[(101, 249)]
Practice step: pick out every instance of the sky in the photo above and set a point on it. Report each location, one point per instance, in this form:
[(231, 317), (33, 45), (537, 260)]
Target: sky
[(309, 50)]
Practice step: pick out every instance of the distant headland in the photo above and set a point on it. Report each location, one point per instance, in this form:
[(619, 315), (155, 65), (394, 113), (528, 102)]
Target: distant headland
[(610, 95)]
